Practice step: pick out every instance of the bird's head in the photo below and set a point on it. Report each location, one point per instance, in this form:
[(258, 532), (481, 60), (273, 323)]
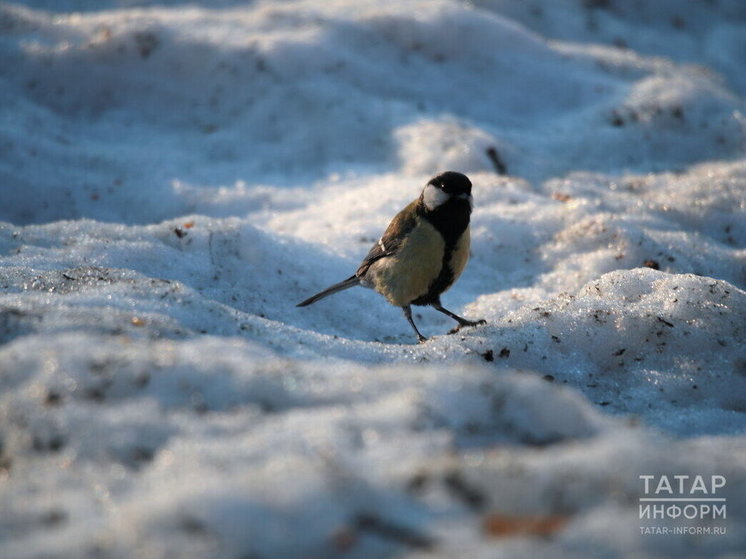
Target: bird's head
[(447, 187)]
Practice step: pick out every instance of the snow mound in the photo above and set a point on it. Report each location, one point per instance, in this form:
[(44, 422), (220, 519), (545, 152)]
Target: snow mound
[(195, 445), (644, 342)]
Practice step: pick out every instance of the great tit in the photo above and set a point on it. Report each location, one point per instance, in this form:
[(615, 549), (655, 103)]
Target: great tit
[(422, 252)]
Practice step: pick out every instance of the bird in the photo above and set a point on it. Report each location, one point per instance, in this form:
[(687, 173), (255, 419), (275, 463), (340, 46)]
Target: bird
[(421, 253)]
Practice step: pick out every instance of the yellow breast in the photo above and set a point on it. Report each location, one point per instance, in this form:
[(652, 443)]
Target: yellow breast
[(407, 276)]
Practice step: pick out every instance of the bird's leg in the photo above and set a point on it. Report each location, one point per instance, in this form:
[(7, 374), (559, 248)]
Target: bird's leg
[(461, 321), (408, 314)]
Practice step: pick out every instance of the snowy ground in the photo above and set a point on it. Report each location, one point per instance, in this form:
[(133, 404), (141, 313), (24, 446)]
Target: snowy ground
[(176, 176)]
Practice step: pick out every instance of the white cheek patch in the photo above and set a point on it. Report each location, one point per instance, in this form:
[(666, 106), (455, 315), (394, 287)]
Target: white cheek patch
[(434, 197)]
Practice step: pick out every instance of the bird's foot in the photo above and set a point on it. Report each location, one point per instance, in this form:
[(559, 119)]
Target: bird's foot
[(467, 323)]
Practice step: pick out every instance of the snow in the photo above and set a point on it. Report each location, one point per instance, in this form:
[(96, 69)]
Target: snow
[(176, 177)]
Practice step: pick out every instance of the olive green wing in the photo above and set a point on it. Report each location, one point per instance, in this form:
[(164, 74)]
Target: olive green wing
[(392, 239)]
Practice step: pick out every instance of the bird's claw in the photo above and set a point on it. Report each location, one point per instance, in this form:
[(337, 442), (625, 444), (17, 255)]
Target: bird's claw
[(467, 323)]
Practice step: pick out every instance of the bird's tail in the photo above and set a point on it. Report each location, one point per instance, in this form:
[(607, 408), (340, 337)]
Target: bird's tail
[(352, 281)]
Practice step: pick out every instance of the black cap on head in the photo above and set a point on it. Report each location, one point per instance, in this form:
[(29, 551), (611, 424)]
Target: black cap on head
[(452, 182)]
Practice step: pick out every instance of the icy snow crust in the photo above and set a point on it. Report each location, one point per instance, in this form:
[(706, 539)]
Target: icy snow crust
[(176, 177)]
